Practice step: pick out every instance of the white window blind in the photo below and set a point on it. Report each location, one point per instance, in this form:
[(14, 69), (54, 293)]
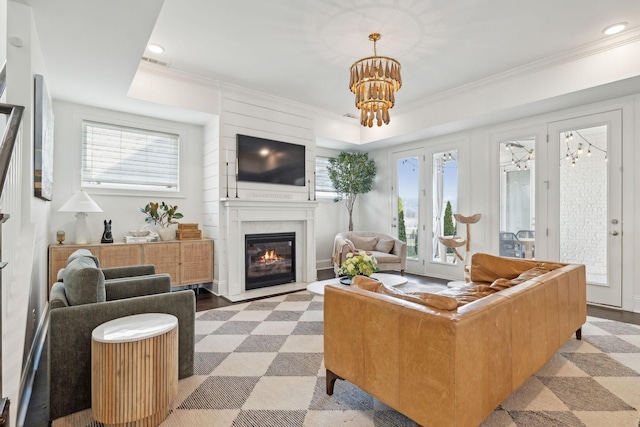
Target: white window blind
[(323, 182), (124, 157)]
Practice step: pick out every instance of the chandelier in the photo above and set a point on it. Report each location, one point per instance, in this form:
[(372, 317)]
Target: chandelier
[(375, 80)]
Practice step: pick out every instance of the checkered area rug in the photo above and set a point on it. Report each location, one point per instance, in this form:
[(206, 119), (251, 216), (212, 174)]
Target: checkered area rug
[(261, 364)]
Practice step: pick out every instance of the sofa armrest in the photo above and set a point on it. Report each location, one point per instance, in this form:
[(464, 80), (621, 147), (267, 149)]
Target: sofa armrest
[(57, 297), (487, 268), (340, 250), (129, 271), (69, 343), (400, 250), (128, 287), (396, 350)]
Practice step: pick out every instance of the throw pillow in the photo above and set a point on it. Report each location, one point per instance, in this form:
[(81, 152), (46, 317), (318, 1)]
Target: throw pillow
[(83, 253), (385, 245), (83, 282), (364, 243), (441, 302)]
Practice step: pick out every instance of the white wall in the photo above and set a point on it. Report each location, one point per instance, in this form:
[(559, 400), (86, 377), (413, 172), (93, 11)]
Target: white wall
[(122, 207)]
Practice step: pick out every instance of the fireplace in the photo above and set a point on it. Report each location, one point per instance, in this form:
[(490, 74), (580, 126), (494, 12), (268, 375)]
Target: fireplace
[(270, 259)]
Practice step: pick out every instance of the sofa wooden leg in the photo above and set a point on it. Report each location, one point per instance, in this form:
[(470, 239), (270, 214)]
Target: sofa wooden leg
[(579, 333), (331, 380), (402, 272)]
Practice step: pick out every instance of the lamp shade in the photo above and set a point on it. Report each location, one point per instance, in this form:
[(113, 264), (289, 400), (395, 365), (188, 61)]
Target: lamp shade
[(80, 202)]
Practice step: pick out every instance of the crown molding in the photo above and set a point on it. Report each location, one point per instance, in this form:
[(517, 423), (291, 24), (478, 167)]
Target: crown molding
[(591, 49)]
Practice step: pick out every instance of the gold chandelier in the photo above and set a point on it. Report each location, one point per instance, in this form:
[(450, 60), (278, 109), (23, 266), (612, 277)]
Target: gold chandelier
[(375, 80)]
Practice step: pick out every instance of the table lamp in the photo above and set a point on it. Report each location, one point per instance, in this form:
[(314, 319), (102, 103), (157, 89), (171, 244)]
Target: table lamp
[(81, 203)]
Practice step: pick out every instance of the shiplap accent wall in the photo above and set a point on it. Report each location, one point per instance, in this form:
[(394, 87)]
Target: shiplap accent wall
[(260, 115)]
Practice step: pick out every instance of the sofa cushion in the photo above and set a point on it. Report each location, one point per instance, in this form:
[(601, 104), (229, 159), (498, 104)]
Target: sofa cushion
[(383, 257), (83, 282), (475, 291), (83, 253), (441, 302), (385, 245), (364, 243)]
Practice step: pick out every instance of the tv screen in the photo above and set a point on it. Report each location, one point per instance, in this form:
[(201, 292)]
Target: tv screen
[(268, 161)]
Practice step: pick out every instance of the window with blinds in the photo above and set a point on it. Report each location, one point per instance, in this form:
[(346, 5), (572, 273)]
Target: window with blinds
[(324, 188), (116, 156)]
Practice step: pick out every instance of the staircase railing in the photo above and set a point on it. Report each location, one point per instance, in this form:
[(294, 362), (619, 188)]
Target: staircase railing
[(14, 117)]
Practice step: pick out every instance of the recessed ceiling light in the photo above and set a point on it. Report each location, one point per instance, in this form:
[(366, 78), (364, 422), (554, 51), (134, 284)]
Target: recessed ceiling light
[(155, 48), (615, 28)]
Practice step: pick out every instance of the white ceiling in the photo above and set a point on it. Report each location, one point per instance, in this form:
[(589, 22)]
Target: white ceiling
[(302, 50)]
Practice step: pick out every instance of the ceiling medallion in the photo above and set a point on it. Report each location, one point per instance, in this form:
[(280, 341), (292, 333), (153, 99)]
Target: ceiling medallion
[(375, 80)]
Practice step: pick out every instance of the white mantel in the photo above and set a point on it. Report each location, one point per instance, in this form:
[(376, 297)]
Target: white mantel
[(254, 216)]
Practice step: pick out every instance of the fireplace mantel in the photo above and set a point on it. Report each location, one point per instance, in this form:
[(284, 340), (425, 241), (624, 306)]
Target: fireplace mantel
[(246, 216)]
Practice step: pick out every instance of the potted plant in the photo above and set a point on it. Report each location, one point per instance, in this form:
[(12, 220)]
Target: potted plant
[(351, 174), (162, 215)]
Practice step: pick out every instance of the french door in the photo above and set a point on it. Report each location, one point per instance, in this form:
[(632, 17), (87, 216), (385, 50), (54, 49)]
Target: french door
[(585, 200), (407, 199)]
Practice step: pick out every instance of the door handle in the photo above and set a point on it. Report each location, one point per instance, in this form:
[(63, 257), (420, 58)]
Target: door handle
[(614, 233)]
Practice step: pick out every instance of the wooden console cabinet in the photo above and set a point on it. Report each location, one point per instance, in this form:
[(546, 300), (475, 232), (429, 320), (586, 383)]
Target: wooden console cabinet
[(187, 261)]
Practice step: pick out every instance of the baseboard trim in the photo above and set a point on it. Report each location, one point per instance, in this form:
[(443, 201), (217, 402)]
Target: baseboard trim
[(29, 372)]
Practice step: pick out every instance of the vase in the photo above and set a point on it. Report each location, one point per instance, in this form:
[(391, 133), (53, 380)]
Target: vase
[(346, 280), (167, 233)]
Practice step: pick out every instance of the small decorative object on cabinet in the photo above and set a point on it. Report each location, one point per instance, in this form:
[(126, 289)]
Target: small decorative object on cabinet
[(188, 231), (107, 237), (60, 236)]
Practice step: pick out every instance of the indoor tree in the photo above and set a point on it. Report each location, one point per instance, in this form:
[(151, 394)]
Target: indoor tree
[(351, 174)]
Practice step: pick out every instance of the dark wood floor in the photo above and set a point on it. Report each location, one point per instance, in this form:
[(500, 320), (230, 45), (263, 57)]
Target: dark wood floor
[(37, 410)]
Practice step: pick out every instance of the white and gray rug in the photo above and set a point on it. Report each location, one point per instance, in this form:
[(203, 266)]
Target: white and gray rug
[(261, 364)]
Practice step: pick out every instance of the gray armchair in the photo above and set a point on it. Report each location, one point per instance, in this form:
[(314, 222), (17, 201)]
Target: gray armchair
[(84, 299)]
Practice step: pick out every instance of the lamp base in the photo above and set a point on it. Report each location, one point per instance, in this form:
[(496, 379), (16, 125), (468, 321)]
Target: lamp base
[(82, 230)]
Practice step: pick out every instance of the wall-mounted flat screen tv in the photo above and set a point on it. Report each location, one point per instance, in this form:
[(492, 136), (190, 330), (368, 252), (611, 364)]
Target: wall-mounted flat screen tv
[(268, 161)]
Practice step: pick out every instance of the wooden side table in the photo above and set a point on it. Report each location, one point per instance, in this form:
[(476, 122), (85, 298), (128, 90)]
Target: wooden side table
[(134, 369)]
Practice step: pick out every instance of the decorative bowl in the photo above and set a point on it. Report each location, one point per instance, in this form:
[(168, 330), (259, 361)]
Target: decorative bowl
[(139, 233)]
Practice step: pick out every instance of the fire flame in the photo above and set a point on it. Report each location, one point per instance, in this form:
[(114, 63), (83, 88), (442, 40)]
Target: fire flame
[(271, 256)]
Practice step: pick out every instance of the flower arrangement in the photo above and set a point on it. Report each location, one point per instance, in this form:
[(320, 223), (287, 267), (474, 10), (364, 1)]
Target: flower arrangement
[(356, 264)]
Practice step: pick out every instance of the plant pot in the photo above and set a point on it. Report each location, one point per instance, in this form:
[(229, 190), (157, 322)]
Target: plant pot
[(167, 233)]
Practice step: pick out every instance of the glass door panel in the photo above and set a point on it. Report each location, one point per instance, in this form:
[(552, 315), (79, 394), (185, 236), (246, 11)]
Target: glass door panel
[(517, 198), (407, 192), (445, 203)]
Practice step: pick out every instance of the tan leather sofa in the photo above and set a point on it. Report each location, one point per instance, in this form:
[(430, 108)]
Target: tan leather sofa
[(389, 252), (453, 367)]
